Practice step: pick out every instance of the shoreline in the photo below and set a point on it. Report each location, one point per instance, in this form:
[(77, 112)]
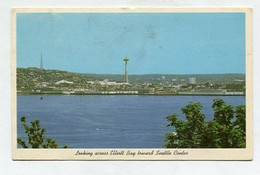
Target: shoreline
[(141, 94)]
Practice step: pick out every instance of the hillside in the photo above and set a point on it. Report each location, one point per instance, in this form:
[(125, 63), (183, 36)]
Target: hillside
[(32, 78), (36, 81)]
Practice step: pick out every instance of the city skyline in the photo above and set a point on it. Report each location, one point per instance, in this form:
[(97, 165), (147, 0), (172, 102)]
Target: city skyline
[(155, 43)]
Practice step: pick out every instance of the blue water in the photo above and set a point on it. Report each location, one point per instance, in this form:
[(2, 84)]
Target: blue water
[(114, 121)]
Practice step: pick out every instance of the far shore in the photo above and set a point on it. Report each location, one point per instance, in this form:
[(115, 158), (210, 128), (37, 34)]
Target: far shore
[(143, 94)]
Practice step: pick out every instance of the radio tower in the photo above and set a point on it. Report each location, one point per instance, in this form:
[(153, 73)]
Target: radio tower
[(41, 66), (126, 76)]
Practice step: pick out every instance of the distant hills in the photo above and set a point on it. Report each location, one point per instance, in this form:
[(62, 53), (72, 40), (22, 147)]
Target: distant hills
[(52, 76)]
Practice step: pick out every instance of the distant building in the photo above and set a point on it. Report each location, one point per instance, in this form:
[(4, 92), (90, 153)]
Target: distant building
[(192, 80), (119, 92), (210, 93), (107, 82), (237, 80), (64, 82), (91, 82), (44, 84)]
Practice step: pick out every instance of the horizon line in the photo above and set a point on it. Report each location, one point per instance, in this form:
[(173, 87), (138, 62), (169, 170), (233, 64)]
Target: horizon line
[(137, 74)]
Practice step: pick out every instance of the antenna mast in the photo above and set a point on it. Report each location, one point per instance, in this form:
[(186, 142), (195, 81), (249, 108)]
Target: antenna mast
[(41, 66)]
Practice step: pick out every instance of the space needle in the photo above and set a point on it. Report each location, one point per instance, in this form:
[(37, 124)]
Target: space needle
[(126, 76)]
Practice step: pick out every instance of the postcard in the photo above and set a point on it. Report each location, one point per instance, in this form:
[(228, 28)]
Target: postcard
[(132, 84)]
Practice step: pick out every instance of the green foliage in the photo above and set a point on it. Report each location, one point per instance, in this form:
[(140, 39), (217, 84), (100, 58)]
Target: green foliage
[(36, 136), (226, 130)]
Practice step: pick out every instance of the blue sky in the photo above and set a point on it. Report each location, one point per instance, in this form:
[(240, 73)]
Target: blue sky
[(172, 43)]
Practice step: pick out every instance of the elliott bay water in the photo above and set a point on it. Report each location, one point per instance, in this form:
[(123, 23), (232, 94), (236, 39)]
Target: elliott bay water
[(109, 121)]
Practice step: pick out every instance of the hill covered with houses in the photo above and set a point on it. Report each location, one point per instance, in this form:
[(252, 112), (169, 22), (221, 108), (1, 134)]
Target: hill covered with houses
[(40, 81)]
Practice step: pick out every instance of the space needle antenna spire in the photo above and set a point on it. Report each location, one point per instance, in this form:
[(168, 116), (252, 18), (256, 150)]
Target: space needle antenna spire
[(41, 66)]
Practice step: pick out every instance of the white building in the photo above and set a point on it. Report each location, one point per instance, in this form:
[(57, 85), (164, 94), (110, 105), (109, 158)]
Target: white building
[(64, 81), (106, 82), (120, 92), (91, 82), (192, 80)]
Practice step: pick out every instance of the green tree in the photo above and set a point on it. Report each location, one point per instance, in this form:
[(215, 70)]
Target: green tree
[(36, 136), (226, 130)]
